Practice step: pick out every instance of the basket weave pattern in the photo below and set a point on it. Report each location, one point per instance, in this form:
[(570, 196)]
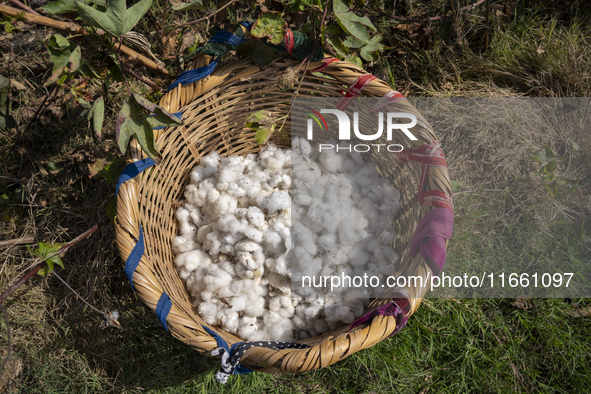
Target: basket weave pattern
[(214, 113)]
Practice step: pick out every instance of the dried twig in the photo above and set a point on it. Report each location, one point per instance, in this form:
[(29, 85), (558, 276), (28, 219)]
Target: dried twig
[(53, 90), (230, 2), (23, 6), (74, 28), (144, 80), (435, 18), (20, 241), (38, 264)]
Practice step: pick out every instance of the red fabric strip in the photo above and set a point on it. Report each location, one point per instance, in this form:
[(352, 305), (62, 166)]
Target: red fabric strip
[(325, 64), (355, 90), (428, 155), (389, 98), (289, 41)]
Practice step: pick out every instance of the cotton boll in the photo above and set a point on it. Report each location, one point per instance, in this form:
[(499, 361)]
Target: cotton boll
[(327, 242), (320, 326), (182, 215), (278, 201), (208, 312), (243, 272), (224, 204), (180, 244), (231, 322), (302, 199), (197, 175), (188, 230), (330, 161), (255, 306), (227, 223), (273, 244), (252, 233), (212, 243), (286, 181), (305, 147)]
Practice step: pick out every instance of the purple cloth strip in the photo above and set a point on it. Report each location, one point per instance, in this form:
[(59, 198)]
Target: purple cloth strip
[(430, 236), (399, 308)]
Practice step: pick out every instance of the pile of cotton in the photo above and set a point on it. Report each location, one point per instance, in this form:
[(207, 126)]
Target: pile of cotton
[(253, 228)]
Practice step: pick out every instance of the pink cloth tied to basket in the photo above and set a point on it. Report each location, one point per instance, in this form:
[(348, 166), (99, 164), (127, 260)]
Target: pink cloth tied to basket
[(429, 236)]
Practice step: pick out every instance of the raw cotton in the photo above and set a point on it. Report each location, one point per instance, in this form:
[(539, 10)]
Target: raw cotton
[(249, 226)]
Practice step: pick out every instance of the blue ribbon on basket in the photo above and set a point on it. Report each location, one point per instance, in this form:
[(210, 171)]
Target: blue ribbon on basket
[(222, 36), (230, 356)]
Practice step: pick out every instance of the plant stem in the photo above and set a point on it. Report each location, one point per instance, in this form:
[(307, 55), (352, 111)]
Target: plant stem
[(77, 295), (121, 66), (19, 241), (23, 6), (38, 264), (74, 28), (204, 18), (144, 80), (54, 89)]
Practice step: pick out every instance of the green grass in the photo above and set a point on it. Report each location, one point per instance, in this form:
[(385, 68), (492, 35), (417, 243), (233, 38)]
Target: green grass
[(503, 214)]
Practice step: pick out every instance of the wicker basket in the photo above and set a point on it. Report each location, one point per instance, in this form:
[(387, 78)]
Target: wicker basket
[(214, 113)]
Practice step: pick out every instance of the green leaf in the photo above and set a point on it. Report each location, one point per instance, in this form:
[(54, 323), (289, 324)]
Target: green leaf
[(368, 52), (271, 26), (96, 116), (355, 60), (264, 133), (65, 6), (263, 123), (546, 159), (58, 41), (351, 23), (194, 5), (338, 46), (575, 146), (43, 251), (352, 42), (117, 19), (455, 185), (74, 60), (112, 210), (112, 171), (4, 200), (123, 134), (262, 55), (133, 120)]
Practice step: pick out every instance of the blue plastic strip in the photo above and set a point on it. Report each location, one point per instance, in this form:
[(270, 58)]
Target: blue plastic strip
[(220, 341), (163, 308), (134, 258), (248, 25), (132, 170), (177, 114), (194, 75), (227, 38)]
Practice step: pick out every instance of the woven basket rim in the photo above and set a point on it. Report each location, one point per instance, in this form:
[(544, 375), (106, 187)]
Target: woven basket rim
[(325, 349)]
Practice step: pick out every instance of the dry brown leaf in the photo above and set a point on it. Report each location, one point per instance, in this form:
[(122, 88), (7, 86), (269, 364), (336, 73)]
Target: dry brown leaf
[(169, 44), (187, 40), (523, 303), (176, 3), (580, 312), (17, 85)]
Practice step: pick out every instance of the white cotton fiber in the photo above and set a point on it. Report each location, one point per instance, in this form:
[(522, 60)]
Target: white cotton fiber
[(235, 252)]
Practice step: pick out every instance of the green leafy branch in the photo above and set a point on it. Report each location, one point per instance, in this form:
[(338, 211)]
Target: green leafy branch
[(547, 161)]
